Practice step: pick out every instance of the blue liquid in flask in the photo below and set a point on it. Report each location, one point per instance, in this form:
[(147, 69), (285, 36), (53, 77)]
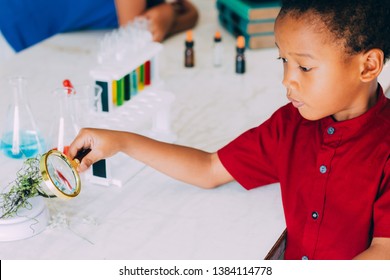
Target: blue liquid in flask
[(30, 144)]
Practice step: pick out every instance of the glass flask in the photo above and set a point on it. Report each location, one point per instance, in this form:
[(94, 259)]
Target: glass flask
[(20, 136), (64, 127)]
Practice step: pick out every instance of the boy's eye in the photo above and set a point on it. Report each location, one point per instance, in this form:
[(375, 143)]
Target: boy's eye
[(284, 60), (305, 69)]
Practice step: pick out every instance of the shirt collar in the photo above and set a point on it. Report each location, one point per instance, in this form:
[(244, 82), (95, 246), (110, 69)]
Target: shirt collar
[(350, 127)]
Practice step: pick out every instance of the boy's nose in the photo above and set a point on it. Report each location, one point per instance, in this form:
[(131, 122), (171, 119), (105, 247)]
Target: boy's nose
[(289, 80)]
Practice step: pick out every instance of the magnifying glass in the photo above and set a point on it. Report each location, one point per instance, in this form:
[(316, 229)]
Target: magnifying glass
[(59, 174)]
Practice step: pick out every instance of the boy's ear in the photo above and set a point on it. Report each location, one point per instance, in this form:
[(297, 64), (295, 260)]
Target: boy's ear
[(372, 65)]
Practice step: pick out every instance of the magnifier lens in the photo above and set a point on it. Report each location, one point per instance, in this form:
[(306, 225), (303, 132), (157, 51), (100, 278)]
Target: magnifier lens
[(61, 174)]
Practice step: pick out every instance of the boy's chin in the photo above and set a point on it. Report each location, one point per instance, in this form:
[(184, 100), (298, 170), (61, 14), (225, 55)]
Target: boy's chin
[(310, 116)]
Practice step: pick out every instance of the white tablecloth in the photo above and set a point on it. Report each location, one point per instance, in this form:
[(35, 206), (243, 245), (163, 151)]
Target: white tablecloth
[(153, 216)]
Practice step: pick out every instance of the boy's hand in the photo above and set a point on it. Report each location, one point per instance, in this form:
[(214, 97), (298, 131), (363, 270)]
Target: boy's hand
[(101, 143)]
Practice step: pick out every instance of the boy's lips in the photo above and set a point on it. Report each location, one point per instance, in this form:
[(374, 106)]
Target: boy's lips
[(296, 103)]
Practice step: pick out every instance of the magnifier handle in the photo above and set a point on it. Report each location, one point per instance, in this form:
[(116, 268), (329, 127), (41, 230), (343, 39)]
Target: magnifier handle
[(81, 154)]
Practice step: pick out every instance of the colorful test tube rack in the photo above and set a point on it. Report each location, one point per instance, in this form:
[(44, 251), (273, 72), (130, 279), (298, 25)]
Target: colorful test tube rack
[(124, 79)]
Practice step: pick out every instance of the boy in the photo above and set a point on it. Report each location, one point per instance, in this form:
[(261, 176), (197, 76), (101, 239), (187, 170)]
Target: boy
[(329, 148)]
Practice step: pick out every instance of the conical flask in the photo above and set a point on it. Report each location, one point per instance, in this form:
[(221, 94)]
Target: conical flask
[(64, 128), (20, 137)]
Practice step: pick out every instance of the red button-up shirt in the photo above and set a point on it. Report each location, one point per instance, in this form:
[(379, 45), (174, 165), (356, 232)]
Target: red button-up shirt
[(334, 177)]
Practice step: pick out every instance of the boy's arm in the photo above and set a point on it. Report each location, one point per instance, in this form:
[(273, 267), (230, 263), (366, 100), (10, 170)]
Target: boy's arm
[(186, 18), (186, 164), (379, 250), (167, 19), (127, 10)]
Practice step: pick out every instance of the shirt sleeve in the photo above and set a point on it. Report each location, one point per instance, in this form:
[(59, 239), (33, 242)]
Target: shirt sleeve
[(382, 205), (250, 158)]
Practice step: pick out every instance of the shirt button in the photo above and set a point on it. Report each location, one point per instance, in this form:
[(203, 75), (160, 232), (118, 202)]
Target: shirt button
[(331, 130), (305, 258), (323, 169), (314, 215)]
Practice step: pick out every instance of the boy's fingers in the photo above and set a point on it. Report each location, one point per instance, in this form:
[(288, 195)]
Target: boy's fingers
[(85, 164), (74, 147), (81, 144)]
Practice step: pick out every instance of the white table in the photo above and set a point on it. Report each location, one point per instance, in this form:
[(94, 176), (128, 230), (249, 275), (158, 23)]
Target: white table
[(153, 216)]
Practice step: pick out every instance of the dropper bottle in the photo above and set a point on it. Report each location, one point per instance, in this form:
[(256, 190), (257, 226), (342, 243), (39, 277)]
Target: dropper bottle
[(240, 56), (189, 55), (218, 49)]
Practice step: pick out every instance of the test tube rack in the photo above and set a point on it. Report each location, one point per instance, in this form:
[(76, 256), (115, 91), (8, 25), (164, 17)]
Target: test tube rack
[(132, 97), (127, 64)]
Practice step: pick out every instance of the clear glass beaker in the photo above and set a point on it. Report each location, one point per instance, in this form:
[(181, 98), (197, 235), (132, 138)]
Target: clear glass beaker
[(64, 128), (21, 137), (87, 103)]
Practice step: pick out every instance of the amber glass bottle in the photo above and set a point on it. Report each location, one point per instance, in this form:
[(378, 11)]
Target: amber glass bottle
[(189, 55), (240, 56)]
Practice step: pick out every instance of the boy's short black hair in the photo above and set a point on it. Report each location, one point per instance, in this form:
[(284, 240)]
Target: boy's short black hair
[(363, 24)]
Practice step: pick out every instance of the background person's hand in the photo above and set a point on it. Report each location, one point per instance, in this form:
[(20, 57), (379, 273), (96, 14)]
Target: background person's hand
[(161, 19)]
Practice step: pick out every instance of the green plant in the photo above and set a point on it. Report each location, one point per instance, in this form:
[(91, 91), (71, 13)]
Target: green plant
[(25, 186)]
